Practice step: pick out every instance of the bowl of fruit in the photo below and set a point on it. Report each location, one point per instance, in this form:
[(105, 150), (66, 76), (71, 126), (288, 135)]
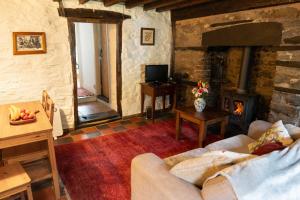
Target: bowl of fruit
[(21, 116)]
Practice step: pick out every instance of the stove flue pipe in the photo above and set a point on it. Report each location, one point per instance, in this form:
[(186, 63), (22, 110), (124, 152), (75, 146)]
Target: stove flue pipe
[(244, 73)]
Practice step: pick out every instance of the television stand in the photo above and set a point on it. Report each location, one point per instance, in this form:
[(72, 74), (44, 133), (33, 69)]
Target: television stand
[(157, 90), (155, 83)]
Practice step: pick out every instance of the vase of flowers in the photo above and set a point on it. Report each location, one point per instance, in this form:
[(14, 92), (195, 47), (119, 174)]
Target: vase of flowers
[(200, 93)]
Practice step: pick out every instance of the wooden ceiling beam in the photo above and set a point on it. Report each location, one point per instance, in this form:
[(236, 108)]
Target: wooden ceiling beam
[(83, 1), (112, 2), (183, 4), (161, 3), (224, 6), (81, 13), (134, 3)]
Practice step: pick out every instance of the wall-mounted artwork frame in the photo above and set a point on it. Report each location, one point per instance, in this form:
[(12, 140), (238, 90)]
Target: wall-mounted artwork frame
[(29, 43), (148, 36)]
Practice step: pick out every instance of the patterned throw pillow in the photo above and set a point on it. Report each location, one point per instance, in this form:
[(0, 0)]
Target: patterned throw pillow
[(276, 134), (268, 148)]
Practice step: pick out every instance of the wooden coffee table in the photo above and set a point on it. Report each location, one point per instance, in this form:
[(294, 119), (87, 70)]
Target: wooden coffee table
[(203, 119)]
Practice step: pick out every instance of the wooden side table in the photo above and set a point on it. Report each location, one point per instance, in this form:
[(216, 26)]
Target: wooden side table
[(14, 180), (39, 131), (154, 91), (202, 119)]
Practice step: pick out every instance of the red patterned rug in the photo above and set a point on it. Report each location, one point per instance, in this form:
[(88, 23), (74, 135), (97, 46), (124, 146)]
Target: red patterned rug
[(99, 168)]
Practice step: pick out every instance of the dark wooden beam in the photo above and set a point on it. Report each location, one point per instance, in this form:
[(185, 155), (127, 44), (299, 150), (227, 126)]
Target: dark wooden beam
[(293, 64), (112, 2), (108, 16), (83, 1), (262, 34), (161, 3), (224, 6), (183, 4), (134, 3)]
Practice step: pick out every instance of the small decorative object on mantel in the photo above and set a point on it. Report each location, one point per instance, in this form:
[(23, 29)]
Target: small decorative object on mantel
[(147, 36), (29, 43), (200, 93)]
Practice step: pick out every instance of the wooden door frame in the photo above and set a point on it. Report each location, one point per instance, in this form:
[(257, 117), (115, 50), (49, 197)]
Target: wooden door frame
[(100, 17)]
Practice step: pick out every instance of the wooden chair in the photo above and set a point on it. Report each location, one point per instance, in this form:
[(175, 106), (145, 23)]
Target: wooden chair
[(14, 180), (48, 105)]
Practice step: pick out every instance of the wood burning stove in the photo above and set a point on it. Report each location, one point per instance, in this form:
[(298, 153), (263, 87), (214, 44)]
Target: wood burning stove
[(242, 108), (240, 103)]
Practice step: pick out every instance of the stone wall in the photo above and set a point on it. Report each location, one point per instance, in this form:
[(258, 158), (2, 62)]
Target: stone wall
[(261, 75), (23, 78), (278, 82)]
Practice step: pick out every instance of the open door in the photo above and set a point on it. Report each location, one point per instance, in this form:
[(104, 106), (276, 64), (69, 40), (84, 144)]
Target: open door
[(96, 72)]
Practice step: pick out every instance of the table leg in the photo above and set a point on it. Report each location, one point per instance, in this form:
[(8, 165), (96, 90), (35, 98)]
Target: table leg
[(164, 102), (53, 167), (142, 103), (178, 125), (29, 193), (224, 124), (153, 107), (202, 133), (174, 101)]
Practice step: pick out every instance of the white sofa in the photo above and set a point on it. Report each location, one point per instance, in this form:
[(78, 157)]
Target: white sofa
[(151, 180)]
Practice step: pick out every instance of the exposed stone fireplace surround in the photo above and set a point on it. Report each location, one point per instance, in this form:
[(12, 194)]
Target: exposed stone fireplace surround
[(275, 74)]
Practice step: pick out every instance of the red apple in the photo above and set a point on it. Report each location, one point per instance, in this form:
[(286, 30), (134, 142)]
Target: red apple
[(31, 115), (22, 114), (25, 117)]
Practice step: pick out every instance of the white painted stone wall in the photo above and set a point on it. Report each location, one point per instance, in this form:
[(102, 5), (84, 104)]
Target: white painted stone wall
[(23, 77)]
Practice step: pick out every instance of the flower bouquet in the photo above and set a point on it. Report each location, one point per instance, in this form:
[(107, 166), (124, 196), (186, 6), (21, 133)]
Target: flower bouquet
[(200, 92)]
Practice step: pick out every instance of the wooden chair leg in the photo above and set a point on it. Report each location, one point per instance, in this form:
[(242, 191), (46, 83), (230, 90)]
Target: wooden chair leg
[(29, 193)]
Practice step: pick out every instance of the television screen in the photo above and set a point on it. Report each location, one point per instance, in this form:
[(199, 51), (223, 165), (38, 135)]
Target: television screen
[(156, 73)]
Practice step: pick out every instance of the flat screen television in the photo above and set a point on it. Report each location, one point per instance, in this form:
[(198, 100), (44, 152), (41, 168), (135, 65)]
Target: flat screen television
[(156, 73)]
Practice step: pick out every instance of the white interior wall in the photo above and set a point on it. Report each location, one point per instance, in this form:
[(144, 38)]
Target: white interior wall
[(85, 44), (23, 78)]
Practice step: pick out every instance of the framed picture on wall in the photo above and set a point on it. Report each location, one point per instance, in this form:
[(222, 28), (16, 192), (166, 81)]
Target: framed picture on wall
[(147, 36), (29, 43)]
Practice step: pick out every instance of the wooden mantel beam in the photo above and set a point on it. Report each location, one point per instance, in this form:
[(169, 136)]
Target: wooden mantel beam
[(161, 3), (134, 3), (184, 4), (224, 6), (112, 2), (83, 1)]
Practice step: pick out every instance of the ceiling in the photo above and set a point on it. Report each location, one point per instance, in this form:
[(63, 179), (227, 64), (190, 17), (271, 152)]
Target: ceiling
[(158, 5)]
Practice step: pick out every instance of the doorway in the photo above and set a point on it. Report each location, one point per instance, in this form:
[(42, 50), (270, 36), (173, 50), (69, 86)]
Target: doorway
[(96, 74)]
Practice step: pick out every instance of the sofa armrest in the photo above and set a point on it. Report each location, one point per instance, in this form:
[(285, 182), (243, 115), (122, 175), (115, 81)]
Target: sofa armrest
[(257, 128), (151, 180)]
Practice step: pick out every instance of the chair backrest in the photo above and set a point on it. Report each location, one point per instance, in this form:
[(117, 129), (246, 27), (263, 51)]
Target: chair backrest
[(48, 105)]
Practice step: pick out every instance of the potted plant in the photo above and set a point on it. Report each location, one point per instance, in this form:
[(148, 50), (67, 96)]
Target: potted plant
[(200, 92)]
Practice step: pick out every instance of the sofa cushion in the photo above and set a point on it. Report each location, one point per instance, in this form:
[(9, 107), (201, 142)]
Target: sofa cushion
[(257, 128), (294, 131), (218, 188), (277, 133), (197, 170), (268, 148), (173, 160), (238, 143)]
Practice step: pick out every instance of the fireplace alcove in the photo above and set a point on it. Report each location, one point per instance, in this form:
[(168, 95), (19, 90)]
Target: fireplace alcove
[(242, 59)]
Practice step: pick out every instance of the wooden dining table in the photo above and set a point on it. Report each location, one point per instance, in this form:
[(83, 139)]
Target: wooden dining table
[(41, 130)]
